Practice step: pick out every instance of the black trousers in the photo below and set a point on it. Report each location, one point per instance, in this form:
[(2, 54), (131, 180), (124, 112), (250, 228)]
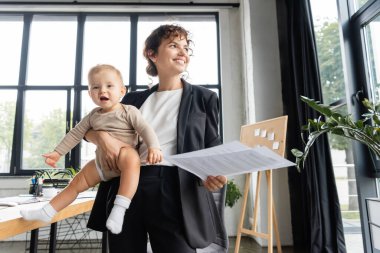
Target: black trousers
[(156, 211)]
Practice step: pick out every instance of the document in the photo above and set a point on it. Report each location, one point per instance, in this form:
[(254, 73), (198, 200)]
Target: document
[(20, 200), (27, 198), (229, 159)]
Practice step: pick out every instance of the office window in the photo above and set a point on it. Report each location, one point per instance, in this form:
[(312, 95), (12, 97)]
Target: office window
[(44, 89), (372, 46), (43, 127), (10, 48), (372, 52), (87, 148), (106, 41), (359, 3), (326, 28), (52, 44), (7, 120), (203, 68)]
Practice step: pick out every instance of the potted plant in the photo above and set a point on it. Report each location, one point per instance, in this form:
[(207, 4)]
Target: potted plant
[(232, 194), (343, 125), (55, 178)]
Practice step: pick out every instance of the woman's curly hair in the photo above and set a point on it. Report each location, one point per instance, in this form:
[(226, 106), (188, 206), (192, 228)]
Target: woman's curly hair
[(156, 37)]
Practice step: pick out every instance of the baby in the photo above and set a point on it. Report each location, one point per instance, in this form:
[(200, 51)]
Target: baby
[(106, 88)]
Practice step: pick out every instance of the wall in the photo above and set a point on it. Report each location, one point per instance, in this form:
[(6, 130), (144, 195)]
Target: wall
[(13, 186), (232, 92), (268, 104), (265, 102)]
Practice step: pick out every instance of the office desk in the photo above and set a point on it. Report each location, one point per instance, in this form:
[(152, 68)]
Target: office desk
[(12, 224)]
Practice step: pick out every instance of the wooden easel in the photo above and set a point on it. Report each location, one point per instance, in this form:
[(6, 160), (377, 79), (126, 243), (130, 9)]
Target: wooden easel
[(272, 134)]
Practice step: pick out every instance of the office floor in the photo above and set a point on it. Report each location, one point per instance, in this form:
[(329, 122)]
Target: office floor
[(247, 245)]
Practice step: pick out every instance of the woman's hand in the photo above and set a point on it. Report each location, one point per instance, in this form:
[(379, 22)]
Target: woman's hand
[(214, 183), (108, 148)]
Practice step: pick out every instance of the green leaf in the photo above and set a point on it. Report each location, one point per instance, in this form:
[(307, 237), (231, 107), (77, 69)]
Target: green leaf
[(359, 124), (67, 172), (350, 122), (376, 119), (326, 126), (316, 105), (343, 120), (336, 116), (368, 130), (377, 137), (367, 103), (337, 131), (296, 152)]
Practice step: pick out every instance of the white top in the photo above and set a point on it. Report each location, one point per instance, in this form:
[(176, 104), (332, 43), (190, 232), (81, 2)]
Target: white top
[(160, 111)]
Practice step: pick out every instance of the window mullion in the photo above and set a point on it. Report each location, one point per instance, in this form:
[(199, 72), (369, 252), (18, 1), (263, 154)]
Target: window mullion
[(19, 117), (219, 85), (133, 54), (74, 161)]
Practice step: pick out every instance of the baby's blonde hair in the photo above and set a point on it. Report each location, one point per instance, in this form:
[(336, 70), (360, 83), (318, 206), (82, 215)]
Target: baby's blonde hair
[(96, 69)]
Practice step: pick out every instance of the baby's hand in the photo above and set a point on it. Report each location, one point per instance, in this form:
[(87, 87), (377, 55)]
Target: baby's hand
[(154, 155), (52, 158)]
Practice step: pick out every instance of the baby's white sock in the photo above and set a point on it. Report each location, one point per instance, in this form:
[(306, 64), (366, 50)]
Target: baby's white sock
[(116, 218), (45, 213)]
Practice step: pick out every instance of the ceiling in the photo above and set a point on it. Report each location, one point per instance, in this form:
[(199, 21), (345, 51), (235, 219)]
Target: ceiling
[(130, 1), (115, 5)]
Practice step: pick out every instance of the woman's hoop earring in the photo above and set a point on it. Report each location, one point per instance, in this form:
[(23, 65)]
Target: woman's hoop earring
[(150, 84), (185, 75)]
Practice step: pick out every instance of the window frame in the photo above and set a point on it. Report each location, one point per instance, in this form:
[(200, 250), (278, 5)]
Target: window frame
[(357, 88), (72, 159)]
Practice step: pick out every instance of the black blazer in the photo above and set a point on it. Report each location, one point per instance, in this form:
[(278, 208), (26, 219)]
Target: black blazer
[(197, 128)]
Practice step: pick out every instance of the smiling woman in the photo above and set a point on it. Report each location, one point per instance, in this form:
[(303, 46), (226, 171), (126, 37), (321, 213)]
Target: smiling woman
[(183, 209)]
